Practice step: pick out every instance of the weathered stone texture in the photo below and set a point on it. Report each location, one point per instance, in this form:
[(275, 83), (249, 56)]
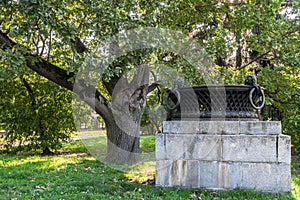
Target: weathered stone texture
[(260, 127), (223, 127), (266, 176), (271, 177), (247, 148), (224, 155), (195, 147), (284, 149), (160, 147)]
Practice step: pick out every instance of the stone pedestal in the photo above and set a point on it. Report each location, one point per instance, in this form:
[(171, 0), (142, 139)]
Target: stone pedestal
[(223, 155)]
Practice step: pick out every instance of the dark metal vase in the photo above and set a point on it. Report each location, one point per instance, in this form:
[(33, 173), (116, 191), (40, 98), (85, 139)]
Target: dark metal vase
[(231, 102)]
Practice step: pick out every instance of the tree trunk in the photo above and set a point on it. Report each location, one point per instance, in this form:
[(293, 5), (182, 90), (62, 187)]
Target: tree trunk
[(123, 126), (122, 147), (47, 152), (43, 139)]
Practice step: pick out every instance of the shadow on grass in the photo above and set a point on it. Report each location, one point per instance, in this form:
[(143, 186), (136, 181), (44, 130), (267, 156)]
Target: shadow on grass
[(53, 178), (74, 174), (71, 176)]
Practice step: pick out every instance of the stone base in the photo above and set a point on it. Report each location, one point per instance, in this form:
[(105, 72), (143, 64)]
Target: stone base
[(185, 157)]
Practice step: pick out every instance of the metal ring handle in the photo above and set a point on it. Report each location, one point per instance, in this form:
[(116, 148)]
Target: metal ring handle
[(263, 98), (168, 100)]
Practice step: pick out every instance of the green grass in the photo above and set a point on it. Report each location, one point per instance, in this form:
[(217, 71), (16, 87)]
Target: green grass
[(86, 134), (75, 174)]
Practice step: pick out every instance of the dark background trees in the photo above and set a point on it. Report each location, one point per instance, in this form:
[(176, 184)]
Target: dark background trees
[(35, 110)]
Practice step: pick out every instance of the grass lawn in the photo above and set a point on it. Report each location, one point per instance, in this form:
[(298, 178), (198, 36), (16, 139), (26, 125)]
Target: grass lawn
[(75, 174)]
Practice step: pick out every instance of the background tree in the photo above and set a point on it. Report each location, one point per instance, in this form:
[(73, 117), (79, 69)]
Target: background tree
[(35, 112), (54, 37), (251, 37)]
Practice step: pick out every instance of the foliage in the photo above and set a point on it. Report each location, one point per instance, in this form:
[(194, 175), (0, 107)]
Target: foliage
[(281, 86), (35, 110), (236, 34), (154, 114), (254, 37), (76, 175)]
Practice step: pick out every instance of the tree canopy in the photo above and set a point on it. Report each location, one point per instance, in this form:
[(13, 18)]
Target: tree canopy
[(53, 38)]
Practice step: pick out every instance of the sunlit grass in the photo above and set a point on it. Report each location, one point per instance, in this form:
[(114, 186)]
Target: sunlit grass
[(296, 187), (87, 134), (142, 172)]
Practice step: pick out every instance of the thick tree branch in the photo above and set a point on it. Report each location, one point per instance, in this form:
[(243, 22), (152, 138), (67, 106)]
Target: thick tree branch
[(61, 77), (255, 59), (50, 71), (5, 41), (78, 45), (27, 86), (41, 66), (110, 85), (152, 87)]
